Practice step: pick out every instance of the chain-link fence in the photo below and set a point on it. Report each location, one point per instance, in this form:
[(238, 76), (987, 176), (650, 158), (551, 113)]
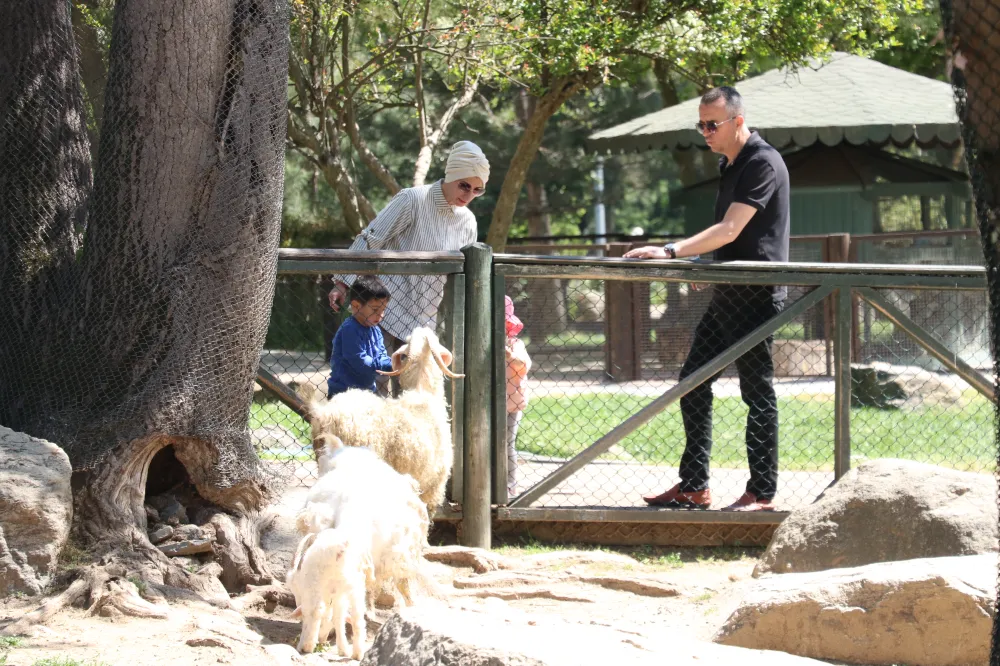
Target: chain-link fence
[(299, 343), (595, 365)]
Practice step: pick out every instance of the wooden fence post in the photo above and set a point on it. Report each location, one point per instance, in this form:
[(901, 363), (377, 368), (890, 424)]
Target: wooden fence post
[(836, 250), (476, 519), (621, 358)]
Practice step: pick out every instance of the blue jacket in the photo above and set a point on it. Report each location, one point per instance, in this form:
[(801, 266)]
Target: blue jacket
[(358, 351)]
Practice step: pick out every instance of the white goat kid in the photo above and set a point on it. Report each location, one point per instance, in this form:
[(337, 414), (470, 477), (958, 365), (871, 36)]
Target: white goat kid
[(328, 578), (381, 511), (413, 432)]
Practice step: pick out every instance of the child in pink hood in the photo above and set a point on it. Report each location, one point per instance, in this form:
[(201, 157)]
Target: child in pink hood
[(518, 364)]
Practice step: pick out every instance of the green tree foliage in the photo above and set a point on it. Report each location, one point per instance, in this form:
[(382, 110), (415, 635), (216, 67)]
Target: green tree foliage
[(570, 46)]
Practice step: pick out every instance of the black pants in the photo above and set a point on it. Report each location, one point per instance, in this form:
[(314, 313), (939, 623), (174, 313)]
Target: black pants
[(732, 313)]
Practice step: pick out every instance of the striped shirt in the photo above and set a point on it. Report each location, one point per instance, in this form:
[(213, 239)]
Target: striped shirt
[(418, 219)]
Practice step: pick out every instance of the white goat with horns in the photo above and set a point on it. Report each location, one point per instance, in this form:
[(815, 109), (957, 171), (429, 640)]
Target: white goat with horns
[(413, 432)]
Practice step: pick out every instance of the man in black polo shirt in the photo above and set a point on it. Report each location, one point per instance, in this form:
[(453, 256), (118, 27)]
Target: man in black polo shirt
[(751, 224)]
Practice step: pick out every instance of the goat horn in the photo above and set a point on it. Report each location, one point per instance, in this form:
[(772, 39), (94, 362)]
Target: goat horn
[(447, 373)]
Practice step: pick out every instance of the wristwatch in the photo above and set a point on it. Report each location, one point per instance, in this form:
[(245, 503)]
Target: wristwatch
[(671, 250)]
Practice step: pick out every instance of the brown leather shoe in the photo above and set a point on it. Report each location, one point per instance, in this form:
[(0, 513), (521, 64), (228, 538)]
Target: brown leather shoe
[(749, 502), (676, 499)]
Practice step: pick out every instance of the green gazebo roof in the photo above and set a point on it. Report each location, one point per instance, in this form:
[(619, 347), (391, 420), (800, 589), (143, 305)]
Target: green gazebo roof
[(845, 99)]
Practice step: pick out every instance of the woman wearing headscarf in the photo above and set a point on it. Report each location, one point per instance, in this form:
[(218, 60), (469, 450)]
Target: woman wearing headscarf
[(430, 218)]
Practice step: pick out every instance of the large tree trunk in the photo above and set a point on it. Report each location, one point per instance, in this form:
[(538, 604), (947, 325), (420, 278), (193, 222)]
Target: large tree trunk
[(45, 181), (157, 336), (975, 70), (524, 155), (546, 306)]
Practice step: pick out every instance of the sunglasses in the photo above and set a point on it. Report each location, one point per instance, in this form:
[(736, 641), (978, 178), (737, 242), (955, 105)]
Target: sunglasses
[(711, 126), (469, 189)]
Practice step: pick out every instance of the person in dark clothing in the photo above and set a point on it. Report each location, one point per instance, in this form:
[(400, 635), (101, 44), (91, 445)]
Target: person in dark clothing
[(751, 224), (358, 347)]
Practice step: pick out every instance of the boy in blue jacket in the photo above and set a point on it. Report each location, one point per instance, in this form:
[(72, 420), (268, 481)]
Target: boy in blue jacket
[(358, 347)]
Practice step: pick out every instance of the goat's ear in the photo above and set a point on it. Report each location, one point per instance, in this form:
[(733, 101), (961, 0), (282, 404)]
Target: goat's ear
[(446, 356)]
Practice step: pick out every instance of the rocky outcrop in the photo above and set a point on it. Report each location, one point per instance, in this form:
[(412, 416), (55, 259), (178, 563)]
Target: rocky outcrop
[(36, 510), (433, 634), (926, 612), (887, 510)]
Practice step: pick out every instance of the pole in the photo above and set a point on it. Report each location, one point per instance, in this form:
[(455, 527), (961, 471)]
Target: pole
[(476, 519), (600, 222)]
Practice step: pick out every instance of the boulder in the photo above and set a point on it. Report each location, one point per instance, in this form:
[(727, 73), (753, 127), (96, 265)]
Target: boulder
[(926, 612), (888, 386), (434, 634), (160, 533), (36, 510), (191, 547), (886, 510)]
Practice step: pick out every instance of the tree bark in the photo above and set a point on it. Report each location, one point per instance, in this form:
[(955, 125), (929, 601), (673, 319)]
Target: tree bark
[(156, 339), (45, 182), (546, 305), (524, 155), (93, 72)]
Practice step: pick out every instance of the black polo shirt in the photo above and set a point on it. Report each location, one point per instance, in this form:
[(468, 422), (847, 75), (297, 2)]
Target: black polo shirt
[(758, 178)]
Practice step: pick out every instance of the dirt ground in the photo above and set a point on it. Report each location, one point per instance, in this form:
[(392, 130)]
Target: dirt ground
[(706, 584)]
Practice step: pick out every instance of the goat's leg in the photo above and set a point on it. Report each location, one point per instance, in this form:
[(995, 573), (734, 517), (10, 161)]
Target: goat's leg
[(311, 618), (403, 585), (359, 635), (339, 617), (327, 626)]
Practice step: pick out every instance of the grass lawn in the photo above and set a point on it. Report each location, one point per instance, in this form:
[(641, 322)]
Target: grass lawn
[(959, 436), (560, 427)]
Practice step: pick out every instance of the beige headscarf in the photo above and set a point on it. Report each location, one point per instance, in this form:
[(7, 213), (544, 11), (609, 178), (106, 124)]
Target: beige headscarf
[(466, 160)]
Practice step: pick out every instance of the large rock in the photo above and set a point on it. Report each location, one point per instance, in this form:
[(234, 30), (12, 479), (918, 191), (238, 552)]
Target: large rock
[(885, 510), (928, 612), (889, 386), (36, 509), (432, 634)]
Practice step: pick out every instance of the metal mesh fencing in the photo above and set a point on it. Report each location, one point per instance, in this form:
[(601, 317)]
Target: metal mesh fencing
[(948, 248), (297, 352), (590, 374), (139, 231)]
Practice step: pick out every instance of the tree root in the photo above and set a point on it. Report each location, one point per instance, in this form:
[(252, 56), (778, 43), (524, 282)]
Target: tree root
[(104, 589), (518, 593), (505, 580), (480, 560)]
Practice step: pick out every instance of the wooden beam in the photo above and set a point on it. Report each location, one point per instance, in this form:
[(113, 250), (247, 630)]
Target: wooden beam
[(843, 314), (457, 386), (928, 341), (682, 388), (499, 375), (806, 275), (640, 515), (367, 266), (284, 392)]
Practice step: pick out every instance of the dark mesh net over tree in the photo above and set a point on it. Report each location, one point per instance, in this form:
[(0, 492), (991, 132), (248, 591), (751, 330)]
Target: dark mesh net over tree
[(137, 286), (970, 26)]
